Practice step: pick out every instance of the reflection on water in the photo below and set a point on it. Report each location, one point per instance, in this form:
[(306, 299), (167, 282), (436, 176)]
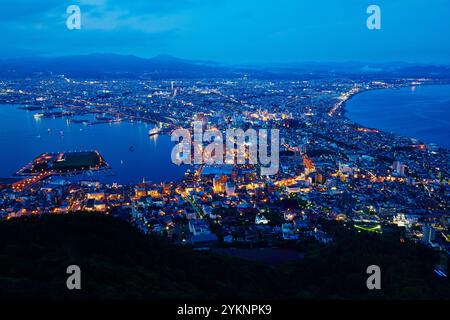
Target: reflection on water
[(126, 146), (421, 112)]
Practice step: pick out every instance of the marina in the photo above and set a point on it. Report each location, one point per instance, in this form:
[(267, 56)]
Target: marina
[(132, 154)]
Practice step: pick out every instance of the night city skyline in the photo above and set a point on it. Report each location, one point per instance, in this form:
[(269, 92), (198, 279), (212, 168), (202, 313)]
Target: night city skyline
[(224, 158)]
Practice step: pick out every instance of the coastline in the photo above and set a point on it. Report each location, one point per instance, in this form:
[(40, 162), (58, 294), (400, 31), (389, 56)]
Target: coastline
[(149, 151), (344, 111)]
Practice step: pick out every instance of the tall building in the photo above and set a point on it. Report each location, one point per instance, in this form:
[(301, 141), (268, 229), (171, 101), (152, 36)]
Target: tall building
[(230, 189), (219, 182), (399, 168), (429, 234)]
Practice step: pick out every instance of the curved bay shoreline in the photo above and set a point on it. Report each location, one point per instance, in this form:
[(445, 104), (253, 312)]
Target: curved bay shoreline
[(344, 112)]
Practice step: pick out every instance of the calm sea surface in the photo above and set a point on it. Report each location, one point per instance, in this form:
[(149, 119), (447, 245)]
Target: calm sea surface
[(421, 112), (22, 138)]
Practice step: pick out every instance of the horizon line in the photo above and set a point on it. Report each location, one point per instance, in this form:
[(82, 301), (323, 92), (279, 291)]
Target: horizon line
[(217, 62)]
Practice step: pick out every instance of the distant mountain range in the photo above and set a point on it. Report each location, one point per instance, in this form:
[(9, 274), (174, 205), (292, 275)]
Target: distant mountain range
[(107, 65), (169, 67)]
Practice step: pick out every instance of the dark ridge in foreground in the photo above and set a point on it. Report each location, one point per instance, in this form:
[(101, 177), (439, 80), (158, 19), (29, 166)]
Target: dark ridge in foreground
[(120, 263)]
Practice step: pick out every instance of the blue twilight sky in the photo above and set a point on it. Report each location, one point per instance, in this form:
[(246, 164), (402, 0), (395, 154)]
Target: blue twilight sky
[(231, 31)]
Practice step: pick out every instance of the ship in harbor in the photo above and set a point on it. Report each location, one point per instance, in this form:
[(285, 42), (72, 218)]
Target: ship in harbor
[(156, 130)]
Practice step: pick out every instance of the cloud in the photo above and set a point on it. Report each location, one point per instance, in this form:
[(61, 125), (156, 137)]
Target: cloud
[(24, 11), (107, 25), (124, 19), (230, 30)]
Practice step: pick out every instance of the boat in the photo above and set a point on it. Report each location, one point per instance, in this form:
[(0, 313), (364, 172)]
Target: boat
[(38, 115), (131, 148), (81, 121), (154, 131)]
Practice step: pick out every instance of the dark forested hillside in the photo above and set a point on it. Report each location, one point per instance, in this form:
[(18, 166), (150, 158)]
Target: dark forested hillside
[(117, 261)]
